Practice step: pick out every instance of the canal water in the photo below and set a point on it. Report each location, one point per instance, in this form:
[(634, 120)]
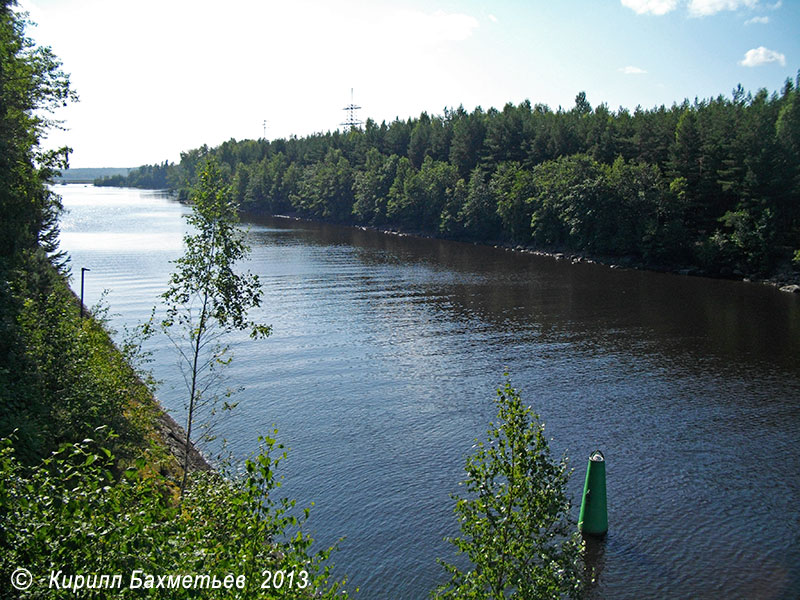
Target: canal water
[(387, 352)]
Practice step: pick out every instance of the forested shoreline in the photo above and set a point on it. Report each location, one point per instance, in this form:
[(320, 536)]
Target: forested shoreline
[(89, 496), (711, 186)]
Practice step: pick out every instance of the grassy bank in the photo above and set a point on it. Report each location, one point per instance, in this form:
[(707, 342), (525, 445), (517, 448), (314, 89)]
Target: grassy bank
[(88, 475), (64, 380), (90, 472)]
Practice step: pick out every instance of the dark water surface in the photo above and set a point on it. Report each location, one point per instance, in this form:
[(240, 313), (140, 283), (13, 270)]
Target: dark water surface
[(384, 360)]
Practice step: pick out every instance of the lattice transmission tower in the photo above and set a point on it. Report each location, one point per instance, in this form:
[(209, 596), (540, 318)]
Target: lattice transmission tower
[(352, 121)]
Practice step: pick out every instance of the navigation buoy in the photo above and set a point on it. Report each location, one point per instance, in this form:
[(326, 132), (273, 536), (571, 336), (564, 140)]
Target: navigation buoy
[(593, 519)]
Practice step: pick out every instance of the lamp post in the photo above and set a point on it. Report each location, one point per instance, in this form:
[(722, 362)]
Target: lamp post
[(83, 273)]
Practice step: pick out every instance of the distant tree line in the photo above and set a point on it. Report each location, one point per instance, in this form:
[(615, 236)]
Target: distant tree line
[(151, 177), (87, 479), (87, 175), (88, 483), (713, 184)]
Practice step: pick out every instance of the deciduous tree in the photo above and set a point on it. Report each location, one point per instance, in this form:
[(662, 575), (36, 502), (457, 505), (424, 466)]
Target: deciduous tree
[(516, 531), (206, 299)]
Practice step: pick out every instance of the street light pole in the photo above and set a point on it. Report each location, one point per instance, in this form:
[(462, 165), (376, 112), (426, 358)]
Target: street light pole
[(83, 272)]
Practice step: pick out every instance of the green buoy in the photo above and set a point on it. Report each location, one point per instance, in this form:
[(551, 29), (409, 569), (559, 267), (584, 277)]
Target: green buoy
[(593, 519)]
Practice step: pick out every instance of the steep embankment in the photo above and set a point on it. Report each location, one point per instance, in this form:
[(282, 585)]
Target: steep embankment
[(62, 380)]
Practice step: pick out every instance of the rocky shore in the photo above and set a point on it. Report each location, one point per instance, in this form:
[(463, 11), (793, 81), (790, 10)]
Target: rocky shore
[(786, 280)]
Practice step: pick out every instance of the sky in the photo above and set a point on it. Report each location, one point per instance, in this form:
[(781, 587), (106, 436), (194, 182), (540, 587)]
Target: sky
[(159, 77)]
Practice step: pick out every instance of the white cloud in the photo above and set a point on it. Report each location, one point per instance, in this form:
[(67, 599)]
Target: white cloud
[(656, 7), (762, 20), (631, 70), (704, 8), (697, 8), (762, 56), (493, 19)]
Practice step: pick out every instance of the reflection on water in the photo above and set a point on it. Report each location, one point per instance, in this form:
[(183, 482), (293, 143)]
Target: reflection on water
[(109, 241), (385, 356)]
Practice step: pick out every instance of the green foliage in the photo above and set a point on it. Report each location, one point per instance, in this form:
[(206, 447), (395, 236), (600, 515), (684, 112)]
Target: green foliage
[(269, 185), (725, 156), (399, 200), (620, 209), (747, 240), (516, 530), (434, 194), (65, 377), (513, 186), (570, 204), (326, 189), (71, 514), (204, 274), (206, 299), (371, 187), (451, 216), (75, 507), (469, 131), (478, 213), (32, 85), (153, 177)]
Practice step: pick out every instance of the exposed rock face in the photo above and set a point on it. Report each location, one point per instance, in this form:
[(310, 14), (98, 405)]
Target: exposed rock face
[(175, 438)]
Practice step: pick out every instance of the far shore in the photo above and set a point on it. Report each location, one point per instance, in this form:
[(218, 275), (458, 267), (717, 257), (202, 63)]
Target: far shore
[(786, 282)]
